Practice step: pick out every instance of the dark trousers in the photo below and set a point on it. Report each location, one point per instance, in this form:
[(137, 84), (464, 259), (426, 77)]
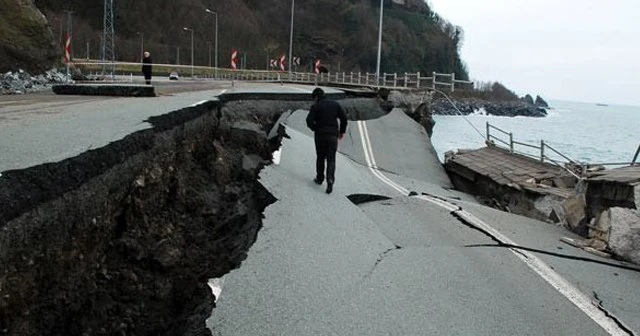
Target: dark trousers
[(326, 147), (147, 79)]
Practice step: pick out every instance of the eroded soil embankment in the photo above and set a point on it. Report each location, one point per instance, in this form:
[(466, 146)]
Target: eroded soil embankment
[(121, 240)]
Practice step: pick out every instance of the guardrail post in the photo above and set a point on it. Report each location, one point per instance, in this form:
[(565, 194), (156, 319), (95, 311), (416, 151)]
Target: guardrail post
[(395, 80), (418, 81), (433, 82), (488, 129), (511, 142), (635, 157), (406, 79), (453, 81), (542, 151)]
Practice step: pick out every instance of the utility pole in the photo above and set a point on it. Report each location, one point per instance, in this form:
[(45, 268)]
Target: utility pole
[(216, 47), (60, 32), (141, 45), (70, 27), (69, 37), (190, 30), (209, 44), (291, 37), (379, 43)]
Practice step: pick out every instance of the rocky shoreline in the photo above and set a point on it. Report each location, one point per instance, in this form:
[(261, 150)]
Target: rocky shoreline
[(468, 106)]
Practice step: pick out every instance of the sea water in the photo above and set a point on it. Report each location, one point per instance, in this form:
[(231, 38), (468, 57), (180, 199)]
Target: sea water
[(583, 132)]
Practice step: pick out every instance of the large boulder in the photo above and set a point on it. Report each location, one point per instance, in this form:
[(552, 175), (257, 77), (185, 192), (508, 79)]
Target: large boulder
[(467, 106), (26, 40), (624, 237)]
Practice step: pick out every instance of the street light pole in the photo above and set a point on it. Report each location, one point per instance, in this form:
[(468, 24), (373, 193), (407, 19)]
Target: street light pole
[(191, 30), (216, 45), (291, 37), (141, 44), (379, 43)]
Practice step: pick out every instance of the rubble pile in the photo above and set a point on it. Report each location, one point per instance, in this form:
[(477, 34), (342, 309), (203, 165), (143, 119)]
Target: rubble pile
[(21, 82)]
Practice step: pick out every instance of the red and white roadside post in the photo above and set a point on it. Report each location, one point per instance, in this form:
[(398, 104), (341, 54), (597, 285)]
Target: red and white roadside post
[(67, 53), (234, 59)]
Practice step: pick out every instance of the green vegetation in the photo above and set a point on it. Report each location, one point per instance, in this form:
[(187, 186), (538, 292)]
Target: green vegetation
[(494, 91), (342, 33), (25, 39)]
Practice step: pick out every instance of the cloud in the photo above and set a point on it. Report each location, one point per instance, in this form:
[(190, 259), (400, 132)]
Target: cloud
[(574, 50)]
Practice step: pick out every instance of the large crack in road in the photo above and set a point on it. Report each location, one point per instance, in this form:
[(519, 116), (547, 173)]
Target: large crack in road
[(123, 239)]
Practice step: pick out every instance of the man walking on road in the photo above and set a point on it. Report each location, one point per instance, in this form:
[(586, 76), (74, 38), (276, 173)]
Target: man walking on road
[(323, 121), (147, 67)]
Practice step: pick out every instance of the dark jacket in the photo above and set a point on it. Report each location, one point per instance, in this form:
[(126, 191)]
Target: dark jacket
[(323, 117), (146, 67)]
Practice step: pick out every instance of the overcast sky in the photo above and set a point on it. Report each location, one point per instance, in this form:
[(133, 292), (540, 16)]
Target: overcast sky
[(584, 50)]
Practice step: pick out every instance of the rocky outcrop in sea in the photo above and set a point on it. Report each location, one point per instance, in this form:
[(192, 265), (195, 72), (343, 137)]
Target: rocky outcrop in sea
[(468, 106), (21, 82)]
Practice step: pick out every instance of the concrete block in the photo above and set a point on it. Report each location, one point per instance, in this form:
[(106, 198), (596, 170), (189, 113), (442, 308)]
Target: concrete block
[(120, 90)]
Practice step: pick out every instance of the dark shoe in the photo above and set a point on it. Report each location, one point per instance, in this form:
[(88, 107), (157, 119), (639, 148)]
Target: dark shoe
[(329, 188), (317, 181)]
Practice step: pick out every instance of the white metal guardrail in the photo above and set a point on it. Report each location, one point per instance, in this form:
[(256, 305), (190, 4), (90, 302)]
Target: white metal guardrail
[(543, 149), (389, 80)]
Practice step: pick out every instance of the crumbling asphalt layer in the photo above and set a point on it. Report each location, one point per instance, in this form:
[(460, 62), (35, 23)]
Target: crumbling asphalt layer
[(122, 239)]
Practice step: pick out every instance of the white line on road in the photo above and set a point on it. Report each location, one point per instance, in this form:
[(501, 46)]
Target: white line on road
[(579, 299), (199, 103), (299, 89), (371, 163)]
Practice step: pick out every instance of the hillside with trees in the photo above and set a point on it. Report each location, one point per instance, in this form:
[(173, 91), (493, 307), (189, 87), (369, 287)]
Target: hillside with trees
[(342, 33)]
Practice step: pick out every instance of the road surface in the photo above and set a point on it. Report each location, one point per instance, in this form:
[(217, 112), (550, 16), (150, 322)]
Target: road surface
[(323, 265)]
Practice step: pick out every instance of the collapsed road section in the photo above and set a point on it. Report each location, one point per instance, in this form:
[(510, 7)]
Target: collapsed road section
[(122, 240)]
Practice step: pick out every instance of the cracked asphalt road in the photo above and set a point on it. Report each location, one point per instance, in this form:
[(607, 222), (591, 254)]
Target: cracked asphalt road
[(399, 266), (325, 266)]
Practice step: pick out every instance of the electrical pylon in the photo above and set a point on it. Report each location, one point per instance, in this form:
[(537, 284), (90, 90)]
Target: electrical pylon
[(108, 39)]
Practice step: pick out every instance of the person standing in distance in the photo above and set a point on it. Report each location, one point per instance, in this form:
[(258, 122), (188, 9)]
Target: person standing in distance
[(146, 67), (323, 121)]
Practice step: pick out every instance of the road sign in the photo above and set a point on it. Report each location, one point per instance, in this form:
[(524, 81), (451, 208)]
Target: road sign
[(317, 67), (272, 63), (282, 62), (296, 60), (234, 59), (67, 50)]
